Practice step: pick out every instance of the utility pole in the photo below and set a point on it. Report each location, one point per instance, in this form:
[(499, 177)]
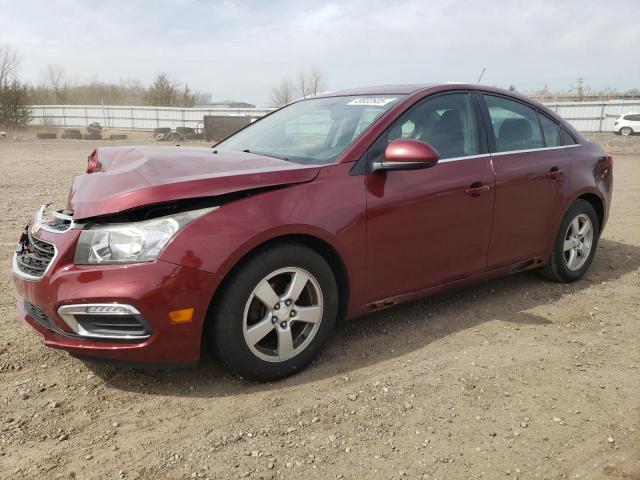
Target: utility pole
[(580, 89)]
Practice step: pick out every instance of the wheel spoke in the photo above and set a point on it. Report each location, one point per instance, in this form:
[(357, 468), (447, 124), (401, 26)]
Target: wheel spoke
[(568, 245), (285, 343), (265, 293), (584, 250), (308, 314), (298, 282), (586, 228), (257, 332), (575, 226), (573, 255)]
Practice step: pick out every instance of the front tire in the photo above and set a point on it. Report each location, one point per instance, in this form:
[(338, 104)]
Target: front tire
[(275, 313), (575, 244), (626, 131)]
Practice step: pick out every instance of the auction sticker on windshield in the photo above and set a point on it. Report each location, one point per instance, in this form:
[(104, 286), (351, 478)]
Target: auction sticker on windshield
[(377, 101)]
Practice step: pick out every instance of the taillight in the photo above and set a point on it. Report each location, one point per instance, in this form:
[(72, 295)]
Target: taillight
[(93, 164), (609, 161)]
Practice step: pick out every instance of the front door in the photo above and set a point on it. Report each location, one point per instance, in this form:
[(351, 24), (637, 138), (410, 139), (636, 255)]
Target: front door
[(431, 226)]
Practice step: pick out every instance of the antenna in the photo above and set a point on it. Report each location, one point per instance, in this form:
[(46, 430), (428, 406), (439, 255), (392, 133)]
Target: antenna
[(481, 75)]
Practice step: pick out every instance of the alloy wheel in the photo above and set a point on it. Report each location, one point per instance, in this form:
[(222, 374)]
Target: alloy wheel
[(283, 314), (578, 241), (626, 131)]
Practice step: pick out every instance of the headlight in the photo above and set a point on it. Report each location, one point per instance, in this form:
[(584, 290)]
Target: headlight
[(131, 242)]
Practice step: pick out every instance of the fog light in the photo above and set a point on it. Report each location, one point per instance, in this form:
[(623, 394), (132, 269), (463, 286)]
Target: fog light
[(181, 316)]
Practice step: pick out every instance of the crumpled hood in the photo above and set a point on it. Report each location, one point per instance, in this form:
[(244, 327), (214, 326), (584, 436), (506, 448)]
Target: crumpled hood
[(130, 177)]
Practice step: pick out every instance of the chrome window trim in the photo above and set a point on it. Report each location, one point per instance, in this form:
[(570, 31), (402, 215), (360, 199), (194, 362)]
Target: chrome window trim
[(67, 312), (27, 276), (468, 157), (495, 154)]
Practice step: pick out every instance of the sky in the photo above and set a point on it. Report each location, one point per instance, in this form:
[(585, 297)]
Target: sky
[(240, 49)]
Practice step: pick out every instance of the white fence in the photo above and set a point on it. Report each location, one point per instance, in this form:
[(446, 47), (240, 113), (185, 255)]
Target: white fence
[(584, 116), (594, 116), (130, 117)]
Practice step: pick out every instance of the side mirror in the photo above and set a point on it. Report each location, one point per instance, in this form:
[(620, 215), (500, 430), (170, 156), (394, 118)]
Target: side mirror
[(407, 154)]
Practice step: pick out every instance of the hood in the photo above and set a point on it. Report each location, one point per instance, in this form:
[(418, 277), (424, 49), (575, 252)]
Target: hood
[(130, 177)]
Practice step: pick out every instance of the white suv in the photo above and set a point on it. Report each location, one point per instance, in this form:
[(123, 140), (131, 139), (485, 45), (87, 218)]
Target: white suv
[(627, 124)]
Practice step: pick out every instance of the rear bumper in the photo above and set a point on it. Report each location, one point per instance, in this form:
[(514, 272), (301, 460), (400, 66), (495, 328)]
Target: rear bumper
[(154, 289)]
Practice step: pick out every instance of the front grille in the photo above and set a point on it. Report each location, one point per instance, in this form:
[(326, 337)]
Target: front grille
[(33, 255), (112, 325), (39, 316)]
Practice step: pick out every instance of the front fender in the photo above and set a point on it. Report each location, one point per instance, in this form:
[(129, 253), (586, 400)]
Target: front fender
[(330, 208)]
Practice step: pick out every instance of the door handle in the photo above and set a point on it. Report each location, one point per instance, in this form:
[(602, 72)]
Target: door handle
[(555, 173), (476, 189)]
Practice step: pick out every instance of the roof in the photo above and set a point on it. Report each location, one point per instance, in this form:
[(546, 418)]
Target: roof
[(380, 90), (409, 89)]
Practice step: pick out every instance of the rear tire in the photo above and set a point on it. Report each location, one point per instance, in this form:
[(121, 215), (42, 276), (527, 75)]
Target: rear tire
[(575, 244), (275, 313), (626, 131)]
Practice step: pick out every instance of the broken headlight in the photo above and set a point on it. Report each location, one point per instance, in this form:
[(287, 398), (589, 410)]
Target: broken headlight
[(133, 242)]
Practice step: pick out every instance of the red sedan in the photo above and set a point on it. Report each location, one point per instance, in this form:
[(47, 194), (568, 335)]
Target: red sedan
[(326, 209)]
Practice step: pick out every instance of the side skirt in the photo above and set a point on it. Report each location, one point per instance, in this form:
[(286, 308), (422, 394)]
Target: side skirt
[(427, 292)]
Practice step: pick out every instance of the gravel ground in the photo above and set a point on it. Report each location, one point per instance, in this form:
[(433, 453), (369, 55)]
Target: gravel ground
[(514, 378)]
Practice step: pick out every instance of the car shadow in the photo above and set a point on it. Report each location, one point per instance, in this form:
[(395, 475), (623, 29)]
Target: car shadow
[(383, 335)]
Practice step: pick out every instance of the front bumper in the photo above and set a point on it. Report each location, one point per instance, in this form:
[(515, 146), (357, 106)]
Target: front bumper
[(153, 289)]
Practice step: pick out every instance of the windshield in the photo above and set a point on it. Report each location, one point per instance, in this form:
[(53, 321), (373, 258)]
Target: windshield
[(314, 131)]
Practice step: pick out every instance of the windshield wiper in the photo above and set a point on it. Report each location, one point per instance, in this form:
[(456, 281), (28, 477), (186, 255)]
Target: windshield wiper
[(266, 155)]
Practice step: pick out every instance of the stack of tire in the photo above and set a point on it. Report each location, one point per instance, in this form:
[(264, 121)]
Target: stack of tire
[(94, 132), (46, 135), (71, 134), (189, 133), (165, 134)]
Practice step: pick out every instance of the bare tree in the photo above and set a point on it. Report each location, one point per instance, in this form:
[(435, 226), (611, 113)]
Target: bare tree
[(283, 93), (57, 82), (310, 83), (202, 98), (302, 84), (9, 61), (316, 81), (307, 84)]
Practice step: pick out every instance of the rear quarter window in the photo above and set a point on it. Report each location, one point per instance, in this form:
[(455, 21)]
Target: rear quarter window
[(567, 138), (551, 130)]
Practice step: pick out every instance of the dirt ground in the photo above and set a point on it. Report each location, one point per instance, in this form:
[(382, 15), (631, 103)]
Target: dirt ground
[(514, 378)]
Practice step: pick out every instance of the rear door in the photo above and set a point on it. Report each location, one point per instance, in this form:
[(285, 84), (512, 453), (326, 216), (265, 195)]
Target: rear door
[(633, 121), (431, 226), (530, 177)]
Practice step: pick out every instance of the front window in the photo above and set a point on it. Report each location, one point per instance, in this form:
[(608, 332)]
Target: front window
[(314, 131), (446, 122)]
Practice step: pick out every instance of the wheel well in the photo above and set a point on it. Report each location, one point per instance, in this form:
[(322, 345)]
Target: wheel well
[(323, 248), (596, 203)]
